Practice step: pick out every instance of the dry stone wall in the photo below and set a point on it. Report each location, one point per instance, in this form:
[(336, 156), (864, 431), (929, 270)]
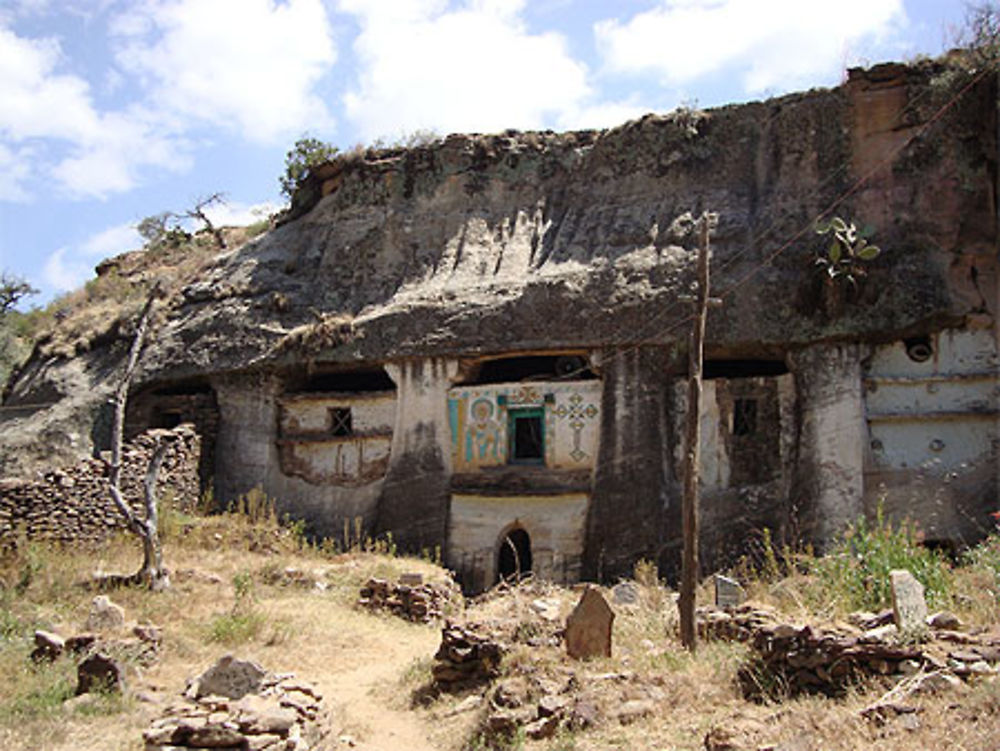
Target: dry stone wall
[(73, 504)]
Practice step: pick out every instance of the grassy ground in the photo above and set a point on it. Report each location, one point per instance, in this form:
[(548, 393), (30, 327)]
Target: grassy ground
[(232, 592)]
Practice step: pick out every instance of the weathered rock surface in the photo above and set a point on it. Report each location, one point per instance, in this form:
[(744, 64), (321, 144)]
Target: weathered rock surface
[(588, 627), (436, 250), (229, 677), (105, 615)]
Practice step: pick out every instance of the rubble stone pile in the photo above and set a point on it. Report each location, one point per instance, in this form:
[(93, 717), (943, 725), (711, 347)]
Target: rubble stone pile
[(796, 659), (73, 504), (469, 653), (410, 598), (237, 704)]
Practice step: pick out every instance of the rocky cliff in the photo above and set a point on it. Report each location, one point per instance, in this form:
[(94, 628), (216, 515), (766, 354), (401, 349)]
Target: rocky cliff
[(542, 241)]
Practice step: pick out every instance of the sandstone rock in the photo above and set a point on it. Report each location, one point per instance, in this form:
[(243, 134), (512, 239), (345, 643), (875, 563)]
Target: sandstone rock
[(543, 727), (728, 592), (411, 579), (550, 705), (588, 628), (625, 593), (80, 643), (228, 677), (584, 714), (148, 633), (944, 620), (548, 609), (98, 672), (48, 646), (105, 615), (908, 604), (933, 683)]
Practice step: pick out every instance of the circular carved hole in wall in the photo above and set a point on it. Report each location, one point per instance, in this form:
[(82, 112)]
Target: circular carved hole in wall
[(919, 348)]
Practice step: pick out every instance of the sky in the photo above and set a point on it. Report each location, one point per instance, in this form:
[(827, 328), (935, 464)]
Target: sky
[(114, 110)]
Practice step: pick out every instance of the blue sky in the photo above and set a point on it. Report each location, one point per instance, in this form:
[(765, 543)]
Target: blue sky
[(112, 110)]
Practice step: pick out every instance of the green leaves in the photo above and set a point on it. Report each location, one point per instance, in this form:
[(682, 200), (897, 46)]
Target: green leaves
[(307, 154), (847, 251)]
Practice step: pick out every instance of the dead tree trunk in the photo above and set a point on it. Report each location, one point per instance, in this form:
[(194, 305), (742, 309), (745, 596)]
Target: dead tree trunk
[(152, 572)]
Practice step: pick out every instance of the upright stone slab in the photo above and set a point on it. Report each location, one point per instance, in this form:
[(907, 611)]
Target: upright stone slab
[(588, 628), (908, 605), (728, 592), (625, 593)]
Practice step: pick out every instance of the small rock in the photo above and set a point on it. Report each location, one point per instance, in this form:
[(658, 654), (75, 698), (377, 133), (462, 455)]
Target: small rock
[(630, 711), (551, 705), (148, 633), (547, 609), (543, 727), (48, 646), (944, 620), (625, 593), (80, 643), (105, 615), (722, 739), (933, 683), (228, 677), (98, 672), (411, 579), (584, 715)]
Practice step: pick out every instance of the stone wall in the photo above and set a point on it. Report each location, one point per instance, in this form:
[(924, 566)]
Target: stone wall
[(73, 504)]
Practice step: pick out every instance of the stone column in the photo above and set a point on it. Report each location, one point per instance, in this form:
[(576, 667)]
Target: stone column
[(632, 490), (246, 440), (416, 495), (830, 477)]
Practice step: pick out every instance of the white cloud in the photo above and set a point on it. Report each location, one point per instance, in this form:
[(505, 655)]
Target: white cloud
[(248, 64), (772, 43), (231, 214), (475, 68), (98, 153), (67, 268)]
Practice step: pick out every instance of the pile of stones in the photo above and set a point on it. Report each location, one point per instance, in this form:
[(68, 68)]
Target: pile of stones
[(238, 704), (73, 504), (470, 653), (793, 659), (410, 598), (102, 650)]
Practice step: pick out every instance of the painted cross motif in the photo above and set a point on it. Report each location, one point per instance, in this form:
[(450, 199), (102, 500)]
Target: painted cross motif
[(577, 414)]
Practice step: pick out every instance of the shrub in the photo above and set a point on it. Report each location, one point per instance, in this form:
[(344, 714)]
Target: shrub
[(307, 154), (856, 571)]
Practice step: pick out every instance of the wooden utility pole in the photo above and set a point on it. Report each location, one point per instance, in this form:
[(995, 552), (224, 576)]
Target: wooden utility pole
[(689, 506)]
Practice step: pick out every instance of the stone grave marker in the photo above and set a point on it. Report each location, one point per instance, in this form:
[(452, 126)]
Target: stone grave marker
[(588, 628), (728, 592), (105, 615), (908, 605)]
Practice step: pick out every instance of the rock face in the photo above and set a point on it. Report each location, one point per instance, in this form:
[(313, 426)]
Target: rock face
[(498, 345)]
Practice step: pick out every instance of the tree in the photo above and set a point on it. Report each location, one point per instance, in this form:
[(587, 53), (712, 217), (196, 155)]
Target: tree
[(152, 573), (307, 154), (12, 290), (198, 214)]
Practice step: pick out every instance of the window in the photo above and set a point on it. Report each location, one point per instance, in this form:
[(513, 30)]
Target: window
[(340, 421), (527, 437), (744, 416)]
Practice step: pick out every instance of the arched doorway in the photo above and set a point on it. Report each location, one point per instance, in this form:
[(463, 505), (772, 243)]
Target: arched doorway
[(514, 556)]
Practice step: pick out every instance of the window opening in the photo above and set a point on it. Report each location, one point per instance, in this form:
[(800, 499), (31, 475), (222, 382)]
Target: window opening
[(744, 416), (340, 421), (514, 556), (527, 437)]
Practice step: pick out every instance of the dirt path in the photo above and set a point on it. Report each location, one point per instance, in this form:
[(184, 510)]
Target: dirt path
[(368, 701)]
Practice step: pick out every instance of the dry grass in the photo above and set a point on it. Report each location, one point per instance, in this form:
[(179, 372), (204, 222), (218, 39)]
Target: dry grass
[(374, 668)]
